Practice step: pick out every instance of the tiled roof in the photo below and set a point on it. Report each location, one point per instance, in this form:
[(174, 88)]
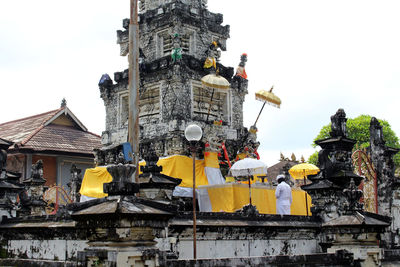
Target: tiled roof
[(63, 138), (19, 130), (39, 134), (277, 169)]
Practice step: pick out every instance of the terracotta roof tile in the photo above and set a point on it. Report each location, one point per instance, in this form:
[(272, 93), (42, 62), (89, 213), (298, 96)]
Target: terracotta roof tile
[(63, 139), (18, 130), (33, 133)]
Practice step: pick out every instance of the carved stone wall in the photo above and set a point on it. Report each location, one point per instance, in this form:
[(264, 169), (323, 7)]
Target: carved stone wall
[(171, 94)]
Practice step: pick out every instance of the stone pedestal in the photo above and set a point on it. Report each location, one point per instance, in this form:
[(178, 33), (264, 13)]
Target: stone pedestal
[(121, 231)]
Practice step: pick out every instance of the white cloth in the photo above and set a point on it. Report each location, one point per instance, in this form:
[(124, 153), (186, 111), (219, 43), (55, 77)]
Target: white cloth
[(85, 198), (214, 176), (180, 191), (204, 200), (283, 194)]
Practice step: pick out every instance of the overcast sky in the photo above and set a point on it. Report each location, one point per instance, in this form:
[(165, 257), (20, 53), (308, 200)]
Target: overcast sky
[(320, 56)]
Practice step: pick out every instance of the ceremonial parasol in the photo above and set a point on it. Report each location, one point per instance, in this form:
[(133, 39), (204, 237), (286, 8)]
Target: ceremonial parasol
[(247, 168), (301, 171), (214, 81), (267, 97)]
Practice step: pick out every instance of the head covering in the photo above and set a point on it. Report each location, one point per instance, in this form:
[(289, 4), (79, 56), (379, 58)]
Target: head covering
[(280, 177)]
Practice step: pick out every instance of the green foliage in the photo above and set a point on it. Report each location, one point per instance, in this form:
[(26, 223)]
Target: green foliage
[(313, 159), (358, 129)]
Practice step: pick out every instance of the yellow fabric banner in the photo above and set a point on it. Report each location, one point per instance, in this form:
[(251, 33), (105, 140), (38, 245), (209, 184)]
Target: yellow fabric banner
[(231, 197), (211, 160), (93, 180), (180, 167)]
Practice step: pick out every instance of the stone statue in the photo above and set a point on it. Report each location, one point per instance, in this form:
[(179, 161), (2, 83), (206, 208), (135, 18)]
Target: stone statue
[(241, 71), (353, 195), (177, 50), (75, 184), (212, 56), (338, 126), (3, 163), (105, 81), (376, 132), (141, 61), (37, 170)]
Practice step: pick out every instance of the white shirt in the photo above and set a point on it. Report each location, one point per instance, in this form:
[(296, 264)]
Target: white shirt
[(283, 194)]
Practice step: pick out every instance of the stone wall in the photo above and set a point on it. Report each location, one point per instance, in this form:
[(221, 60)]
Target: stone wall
[(169, 89)]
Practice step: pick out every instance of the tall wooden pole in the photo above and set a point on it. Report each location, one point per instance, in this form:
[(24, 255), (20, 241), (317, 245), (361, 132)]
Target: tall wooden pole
[(133, 125)]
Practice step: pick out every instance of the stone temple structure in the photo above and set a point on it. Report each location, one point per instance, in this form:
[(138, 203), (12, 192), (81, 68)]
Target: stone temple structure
[(180, 42)]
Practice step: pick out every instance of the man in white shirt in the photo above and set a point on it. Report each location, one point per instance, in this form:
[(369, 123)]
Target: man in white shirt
[(283, 196)]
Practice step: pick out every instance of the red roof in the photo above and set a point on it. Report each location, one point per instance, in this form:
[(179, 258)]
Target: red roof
[(38, 133)]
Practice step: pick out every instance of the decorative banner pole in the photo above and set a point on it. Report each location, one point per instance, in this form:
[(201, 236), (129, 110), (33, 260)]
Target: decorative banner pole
[(133, 88), (268, 98)]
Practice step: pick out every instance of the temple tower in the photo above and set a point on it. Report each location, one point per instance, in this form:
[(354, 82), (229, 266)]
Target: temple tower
[(176, 39)]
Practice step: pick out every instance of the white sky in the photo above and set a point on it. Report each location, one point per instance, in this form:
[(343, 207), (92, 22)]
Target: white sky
[(320, 55)]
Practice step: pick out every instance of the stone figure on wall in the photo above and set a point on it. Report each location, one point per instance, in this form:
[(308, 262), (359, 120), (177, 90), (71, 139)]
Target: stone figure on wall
[(212, 56), (99, 157), (3, 163), (338, 126), (37, 170), (249, 145), (105, 81), (376, 132), (75, 184), (353, 195), (105, 85), (241, 71), (141, 61), (176, 54)]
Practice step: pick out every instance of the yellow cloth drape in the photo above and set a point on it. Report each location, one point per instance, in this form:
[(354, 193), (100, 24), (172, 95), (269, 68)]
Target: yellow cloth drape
[(232, 197), (93, 180), (180, 167), (211, 160)]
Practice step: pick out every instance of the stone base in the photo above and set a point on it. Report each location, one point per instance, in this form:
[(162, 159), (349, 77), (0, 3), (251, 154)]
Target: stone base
[(116, 188)]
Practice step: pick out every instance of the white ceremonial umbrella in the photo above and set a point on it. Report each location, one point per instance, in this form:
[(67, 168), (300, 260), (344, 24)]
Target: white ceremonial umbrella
[(248, 167)]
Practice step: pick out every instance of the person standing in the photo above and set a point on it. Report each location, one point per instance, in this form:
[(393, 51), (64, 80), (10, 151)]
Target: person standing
[(283, 194)]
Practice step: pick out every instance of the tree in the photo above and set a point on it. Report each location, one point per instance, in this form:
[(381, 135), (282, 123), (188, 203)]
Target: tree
[(358, 129)]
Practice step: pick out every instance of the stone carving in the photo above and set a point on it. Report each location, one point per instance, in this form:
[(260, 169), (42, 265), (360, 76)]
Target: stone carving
[(213, 54), (105, 85), (241, 71), (121, 171), (353, 195), (75, 183), (3, 163), (376, 132), (249, 211), (166, 26), (37, 170), (332, 188), (382, 160), (99, 157), (249, 145), (63, 103), (338, 125), (31, 198), (176, 54)]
